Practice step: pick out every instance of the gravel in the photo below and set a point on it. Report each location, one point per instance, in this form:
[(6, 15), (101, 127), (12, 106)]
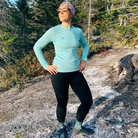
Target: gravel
[(31, 111)]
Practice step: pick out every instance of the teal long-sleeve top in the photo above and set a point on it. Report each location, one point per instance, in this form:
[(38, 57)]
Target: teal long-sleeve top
[(66, 42)]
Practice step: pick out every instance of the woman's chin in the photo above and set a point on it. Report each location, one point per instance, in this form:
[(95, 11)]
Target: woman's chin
[(62, 19)]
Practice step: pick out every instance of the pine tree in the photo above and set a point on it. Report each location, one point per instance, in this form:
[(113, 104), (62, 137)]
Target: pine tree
[(4, 25), (45, 15), (19, 18)]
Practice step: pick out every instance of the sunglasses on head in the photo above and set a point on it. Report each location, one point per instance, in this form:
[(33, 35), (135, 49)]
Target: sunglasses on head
[(62, 10)]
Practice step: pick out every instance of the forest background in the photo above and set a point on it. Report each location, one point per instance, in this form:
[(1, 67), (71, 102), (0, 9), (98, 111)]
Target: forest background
[(22, 23)]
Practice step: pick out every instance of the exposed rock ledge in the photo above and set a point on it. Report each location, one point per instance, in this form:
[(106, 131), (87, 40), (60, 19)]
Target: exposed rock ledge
[(30, 113)]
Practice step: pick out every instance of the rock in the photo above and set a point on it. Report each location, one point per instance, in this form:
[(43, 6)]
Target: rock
[(114, 113), (98, 39)]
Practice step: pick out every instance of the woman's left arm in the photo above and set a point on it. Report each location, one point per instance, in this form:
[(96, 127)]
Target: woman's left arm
[(85, 51)]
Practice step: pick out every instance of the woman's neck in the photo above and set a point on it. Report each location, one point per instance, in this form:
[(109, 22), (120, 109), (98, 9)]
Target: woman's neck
[(66, 24)]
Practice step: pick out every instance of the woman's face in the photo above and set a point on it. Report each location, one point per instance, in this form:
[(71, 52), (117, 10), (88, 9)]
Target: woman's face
[(64, 14)]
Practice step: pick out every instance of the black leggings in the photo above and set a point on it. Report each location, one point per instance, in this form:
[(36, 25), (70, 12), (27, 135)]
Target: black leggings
[(61, 82)]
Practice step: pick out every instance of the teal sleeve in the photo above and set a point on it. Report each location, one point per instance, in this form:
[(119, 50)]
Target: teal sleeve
[(85, 46), (40, 44)]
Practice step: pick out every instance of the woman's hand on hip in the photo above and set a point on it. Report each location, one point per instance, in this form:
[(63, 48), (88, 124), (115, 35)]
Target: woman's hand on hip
[(52, 69), (82, 65)]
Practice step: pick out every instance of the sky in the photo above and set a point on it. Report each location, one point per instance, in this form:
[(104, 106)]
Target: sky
[(12, 1)]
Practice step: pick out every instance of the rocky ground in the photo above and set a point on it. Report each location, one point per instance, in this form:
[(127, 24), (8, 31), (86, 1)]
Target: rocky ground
[(30, 112)]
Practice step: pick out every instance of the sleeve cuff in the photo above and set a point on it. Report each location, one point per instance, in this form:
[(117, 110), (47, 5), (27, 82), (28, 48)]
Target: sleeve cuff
[(85, 59)]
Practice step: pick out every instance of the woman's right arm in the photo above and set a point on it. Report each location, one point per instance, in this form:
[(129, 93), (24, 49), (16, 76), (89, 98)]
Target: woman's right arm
[(39, 45)]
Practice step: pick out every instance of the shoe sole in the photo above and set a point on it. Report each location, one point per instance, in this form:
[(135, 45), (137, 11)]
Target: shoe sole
[(76, 133)]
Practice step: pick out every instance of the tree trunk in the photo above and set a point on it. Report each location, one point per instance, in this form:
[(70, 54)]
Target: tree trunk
[(89, 21), (125, 22), (112, 6), (121, 22)]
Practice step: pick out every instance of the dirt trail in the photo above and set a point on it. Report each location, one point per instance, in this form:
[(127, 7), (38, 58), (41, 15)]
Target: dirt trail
[(30, 112)]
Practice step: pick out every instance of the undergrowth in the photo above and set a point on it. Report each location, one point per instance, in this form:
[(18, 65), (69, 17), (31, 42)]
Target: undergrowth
[(20, 73)]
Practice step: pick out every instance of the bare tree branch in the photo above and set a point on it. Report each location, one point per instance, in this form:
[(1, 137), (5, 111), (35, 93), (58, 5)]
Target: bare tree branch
[(125, 7)]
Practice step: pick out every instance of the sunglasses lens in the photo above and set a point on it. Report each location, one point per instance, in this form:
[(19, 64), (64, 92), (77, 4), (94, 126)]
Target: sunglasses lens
[(64, 10), (61, 10)]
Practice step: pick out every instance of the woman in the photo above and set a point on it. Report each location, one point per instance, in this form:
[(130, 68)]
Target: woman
[(66, 68)]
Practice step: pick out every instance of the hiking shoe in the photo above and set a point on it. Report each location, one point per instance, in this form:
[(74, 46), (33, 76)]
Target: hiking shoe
[(62, 133), (83, 130)]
